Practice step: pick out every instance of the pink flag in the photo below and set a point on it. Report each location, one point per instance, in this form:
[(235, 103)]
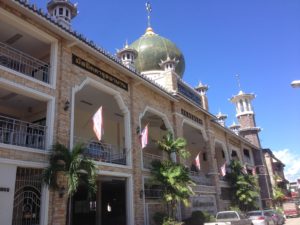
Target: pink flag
[(97, 123), (244, 170), (223, 170), (253, 171), (144, 137), (197, 161)]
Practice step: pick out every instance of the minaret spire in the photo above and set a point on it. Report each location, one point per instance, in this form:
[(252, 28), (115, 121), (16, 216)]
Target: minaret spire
[(149, 10), (238, 81)]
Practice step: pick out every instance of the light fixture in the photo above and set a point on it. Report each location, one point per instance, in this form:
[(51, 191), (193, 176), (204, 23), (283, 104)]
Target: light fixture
[(61, 191), (67, 105), (141, 193), (138, 130), (108, 207)]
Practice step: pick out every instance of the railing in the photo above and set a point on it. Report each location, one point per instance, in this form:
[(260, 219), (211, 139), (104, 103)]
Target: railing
[(103, 152), (23, 63), (22, 133), (200, 178), (247, 159), (153, 193), (148, 158)]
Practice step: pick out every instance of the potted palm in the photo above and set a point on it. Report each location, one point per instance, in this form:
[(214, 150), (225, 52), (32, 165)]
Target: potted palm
[(75, 167)]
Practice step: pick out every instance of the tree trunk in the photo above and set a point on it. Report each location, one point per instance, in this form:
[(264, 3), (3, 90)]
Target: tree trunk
[(173, 157)]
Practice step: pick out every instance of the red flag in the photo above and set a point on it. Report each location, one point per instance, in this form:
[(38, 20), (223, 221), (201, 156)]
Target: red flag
[(97, 123), (144, 137), (197, 161), (223, 170)]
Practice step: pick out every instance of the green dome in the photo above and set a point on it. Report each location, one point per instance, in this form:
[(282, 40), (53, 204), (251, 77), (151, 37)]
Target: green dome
[(153, 48)]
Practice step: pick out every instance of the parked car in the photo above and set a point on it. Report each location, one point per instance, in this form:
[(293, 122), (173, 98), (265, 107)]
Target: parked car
[(259, 217), (277, 217), (230, 218)]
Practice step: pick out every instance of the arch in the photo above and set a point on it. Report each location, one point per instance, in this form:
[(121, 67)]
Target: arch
[(196, 126), (217, 141), (156, 112), (238, 152), (120, 102)]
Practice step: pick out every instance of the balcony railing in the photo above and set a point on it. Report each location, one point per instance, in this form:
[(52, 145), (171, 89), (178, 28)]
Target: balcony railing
[(200, 178), (153, 193), (22, 133), (24, 63), (247, 159), (103, 152), (148, 158)]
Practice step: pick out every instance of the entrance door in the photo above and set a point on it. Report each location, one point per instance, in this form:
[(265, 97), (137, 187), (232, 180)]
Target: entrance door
[(84, 208), (113, 202)]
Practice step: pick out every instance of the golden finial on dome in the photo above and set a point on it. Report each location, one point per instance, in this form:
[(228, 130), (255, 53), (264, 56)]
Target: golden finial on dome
[(149, 31)]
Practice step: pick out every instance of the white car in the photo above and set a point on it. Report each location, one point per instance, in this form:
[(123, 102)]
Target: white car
[(259, 217)]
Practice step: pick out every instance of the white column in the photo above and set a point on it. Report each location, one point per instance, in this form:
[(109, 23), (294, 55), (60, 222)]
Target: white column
[(7, 185), (245, 105)]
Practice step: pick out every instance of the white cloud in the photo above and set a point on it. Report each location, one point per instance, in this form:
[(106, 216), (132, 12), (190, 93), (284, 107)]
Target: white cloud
[(292, 163)]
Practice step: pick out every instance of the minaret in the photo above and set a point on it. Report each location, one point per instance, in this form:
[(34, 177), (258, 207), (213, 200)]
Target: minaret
[(63, 10), (202, 89), (169, 64), (127, 55), (221, 118), (235, 128), (246, 117)]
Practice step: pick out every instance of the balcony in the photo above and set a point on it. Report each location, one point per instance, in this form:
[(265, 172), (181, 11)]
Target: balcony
[(200, 178), (23, 63), (103, 152), (148, 158), (22, 133)]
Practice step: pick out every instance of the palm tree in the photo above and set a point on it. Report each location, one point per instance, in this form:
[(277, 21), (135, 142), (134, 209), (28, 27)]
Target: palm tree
[(244, 187), (78, 170), (171, 176), (173, 146)]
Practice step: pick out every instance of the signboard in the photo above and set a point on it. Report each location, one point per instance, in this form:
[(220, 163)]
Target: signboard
[(83, 64), (188, 93), (205, 203), (4, 189)]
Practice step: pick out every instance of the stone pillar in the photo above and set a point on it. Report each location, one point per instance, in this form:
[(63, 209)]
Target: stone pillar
[(210, 149), (138, 202), (98, 203), (60, 202)]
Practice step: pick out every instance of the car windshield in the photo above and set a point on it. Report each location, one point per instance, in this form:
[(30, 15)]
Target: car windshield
[(227, 215), (254, 213)]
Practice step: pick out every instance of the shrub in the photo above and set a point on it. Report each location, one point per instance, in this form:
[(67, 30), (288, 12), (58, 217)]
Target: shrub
[(159, 217), (199, 218)]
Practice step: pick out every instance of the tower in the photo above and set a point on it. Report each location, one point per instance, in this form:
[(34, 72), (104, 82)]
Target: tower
[(221, 118), (169, 64), (127, 55), (246, 117), (235, 128), (202, 89), (63, 10)]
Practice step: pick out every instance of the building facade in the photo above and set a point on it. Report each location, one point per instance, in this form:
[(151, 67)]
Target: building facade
[(52, 81)]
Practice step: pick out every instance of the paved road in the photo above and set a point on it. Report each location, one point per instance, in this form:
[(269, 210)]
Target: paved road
[(293, 221)]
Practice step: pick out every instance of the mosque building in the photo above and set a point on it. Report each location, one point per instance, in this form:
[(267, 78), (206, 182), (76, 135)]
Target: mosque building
[(53, 80)]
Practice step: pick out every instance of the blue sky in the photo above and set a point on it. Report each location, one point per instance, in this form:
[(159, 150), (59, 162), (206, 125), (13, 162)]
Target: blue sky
[(259, 40)]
